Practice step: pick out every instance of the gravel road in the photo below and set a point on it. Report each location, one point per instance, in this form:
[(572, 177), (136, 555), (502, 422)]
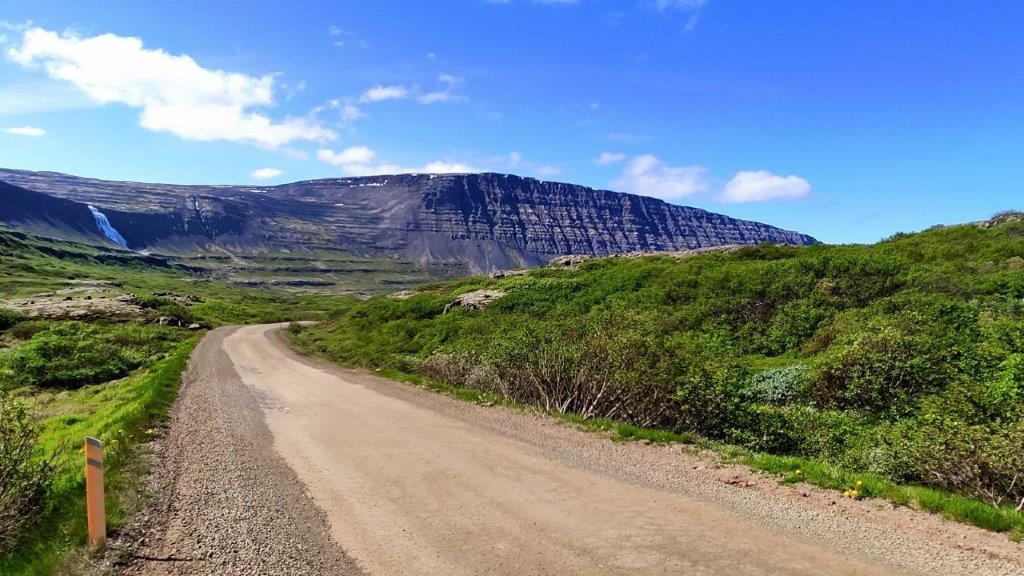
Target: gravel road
[(278, 464)]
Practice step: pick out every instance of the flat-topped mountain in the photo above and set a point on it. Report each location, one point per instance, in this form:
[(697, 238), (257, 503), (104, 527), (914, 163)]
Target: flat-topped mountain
[(487, 221)]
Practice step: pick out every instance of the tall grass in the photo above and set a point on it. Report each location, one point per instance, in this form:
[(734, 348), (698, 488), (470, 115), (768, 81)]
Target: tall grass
[(122, 414)]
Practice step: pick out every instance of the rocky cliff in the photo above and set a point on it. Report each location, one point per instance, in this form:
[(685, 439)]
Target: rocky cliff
[(486, 220)]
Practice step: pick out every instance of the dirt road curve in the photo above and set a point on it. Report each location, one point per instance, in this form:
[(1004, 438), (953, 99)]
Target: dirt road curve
[(275, 464)]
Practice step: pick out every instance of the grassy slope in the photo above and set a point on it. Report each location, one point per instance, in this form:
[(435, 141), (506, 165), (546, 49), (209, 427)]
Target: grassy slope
[(28, 266), (122, 414), (119, 411), (900, 347)]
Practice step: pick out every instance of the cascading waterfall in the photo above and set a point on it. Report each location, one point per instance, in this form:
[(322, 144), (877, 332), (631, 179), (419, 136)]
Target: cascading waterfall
[(104, 225)]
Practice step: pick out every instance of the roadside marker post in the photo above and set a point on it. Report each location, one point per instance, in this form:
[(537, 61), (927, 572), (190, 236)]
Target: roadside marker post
[(96, 514)]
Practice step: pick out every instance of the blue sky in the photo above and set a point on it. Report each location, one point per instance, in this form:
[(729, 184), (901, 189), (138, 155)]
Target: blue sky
[(845, 120)]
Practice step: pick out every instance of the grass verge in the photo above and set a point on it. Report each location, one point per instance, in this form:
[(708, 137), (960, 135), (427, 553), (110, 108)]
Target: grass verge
[(123, 414), (949, 505)]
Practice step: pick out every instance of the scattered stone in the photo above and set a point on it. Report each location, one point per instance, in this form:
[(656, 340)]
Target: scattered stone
[(194, 326), (80, 302), (507, 273), (402, 294), (569, 261), (476, 300)]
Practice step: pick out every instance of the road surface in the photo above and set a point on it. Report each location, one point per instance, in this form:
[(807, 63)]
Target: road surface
[(280, 464)]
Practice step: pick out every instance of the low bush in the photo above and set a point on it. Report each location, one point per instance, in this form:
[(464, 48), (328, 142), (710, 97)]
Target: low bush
[(9, 318), (778, 387), (71, 354), (24, 479)]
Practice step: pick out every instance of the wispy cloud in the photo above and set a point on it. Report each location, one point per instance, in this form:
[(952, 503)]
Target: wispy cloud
[(344, 38), (266, 173), (174, 93), (691, 7), (26, 131), (448, 92), (684, 5), (381, 93), (606, 158)]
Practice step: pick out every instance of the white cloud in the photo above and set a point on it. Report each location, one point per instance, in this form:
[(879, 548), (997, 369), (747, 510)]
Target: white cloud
[(26, 131), (348, 156), (648, 176), (606, 158), (762, 185), (443, 167), (175, 93), (360, 161), (450, 80), (266, 173), (439, 96), (350, 112), (381, 93)]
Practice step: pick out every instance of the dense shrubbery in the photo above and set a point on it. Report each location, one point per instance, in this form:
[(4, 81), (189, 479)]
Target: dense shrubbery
[(72, 354), (23, 478), (905, 358)]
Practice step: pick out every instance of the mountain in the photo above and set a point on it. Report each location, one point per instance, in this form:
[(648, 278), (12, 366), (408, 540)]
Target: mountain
[(487, 221), (46, 214)]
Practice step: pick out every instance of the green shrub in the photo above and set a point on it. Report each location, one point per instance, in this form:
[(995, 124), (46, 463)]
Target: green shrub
[(985, 461), (24, 479), (71, 354), (9, 318), (779, 387), (884, 367)]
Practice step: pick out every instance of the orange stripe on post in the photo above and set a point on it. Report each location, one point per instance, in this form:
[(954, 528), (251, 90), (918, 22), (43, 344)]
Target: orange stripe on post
[(96, 513)]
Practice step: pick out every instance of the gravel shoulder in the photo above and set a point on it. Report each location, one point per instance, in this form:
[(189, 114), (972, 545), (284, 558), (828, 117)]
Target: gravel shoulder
[(279, 464), (225, 501)]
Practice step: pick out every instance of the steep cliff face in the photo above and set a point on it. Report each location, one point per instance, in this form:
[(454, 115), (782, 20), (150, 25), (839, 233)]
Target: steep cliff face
[(486, 220), (55, 217)]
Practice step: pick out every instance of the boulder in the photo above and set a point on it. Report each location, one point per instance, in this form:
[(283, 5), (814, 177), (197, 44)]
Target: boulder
[(476, 300)]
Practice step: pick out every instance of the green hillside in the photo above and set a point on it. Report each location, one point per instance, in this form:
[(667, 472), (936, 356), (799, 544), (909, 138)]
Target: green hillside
[(96, 362), (900, 364)]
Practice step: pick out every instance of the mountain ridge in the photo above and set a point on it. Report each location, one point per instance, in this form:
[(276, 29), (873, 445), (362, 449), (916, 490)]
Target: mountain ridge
[(487, 220)]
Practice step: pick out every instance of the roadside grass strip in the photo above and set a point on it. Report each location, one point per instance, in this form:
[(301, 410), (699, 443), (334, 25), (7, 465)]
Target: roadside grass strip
[(123, 414)]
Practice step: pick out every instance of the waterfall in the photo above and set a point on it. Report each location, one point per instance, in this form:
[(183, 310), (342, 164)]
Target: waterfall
[(104, 225)]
